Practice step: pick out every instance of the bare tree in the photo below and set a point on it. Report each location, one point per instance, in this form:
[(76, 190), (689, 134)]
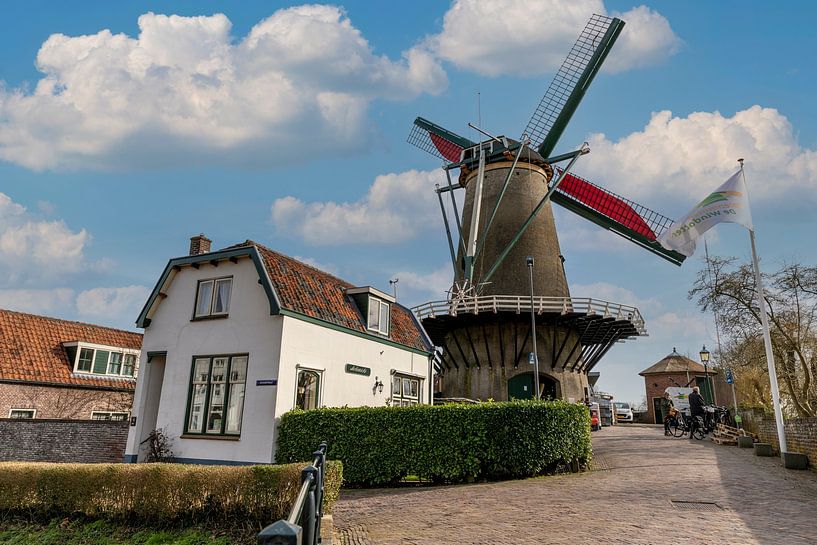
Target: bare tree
[(728, 288)]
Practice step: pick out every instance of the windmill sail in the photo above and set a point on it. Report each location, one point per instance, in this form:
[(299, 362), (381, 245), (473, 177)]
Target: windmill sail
[(622, 216), (571, 82), (438, 141)]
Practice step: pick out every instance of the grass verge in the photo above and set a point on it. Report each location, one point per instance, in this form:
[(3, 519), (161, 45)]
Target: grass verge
[(83, 532)]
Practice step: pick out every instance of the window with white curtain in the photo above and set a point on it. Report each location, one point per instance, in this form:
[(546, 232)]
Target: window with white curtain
[(213, 297), (378, 318)]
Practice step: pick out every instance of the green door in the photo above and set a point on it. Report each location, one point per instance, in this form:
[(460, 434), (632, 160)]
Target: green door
[(706, 389), (659, 412), (521, 387)]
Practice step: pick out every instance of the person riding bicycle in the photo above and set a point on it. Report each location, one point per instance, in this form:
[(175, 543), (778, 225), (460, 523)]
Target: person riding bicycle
[(668, 409), (696, 408)]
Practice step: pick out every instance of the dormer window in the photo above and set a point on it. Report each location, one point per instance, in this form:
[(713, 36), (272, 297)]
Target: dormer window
[(378, 316), (375, 307), (99, 360), (213, 297)]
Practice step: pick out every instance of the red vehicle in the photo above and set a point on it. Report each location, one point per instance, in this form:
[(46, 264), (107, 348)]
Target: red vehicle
[(595, 418)]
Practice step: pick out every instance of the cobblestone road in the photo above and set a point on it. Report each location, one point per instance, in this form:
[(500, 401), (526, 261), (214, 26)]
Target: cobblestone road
[(625, 500)]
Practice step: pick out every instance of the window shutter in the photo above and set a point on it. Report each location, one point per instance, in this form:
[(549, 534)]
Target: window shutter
[(101, 362)]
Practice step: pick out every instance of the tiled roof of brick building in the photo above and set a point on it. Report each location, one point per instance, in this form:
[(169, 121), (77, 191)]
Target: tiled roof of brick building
[(31, 349), (676, 363), (312, 292)]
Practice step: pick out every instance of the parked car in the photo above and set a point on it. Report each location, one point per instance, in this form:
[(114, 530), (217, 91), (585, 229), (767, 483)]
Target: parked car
[(623, 411)]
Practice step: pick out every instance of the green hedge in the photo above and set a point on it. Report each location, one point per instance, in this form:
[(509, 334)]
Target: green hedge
[(448, 443), (158, 493)]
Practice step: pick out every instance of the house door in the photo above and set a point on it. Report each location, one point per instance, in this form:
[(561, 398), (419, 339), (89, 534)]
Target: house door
[(659, 414), (149, 408)]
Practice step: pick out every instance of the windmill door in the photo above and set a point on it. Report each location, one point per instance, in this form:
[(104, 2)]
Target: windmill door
[(521, 387)]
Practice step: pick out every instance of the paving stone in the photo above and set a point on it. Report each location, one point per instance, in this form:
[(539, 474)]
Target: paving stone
[(626, 499)]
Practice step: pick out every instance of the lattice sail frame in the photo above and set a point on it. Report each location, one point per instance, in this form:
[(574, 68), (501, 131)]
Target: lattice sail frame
[(571, 81), (615, 213), (437, 141)]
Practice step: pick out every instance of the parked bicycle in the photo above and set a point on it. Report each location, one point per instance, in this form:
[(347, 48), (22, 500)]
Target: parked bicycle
[(682, 424)]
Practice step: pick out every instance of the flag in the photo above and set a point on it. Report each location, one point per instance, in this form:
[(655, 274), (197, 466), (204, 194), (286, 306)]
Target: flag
[(729, 203)]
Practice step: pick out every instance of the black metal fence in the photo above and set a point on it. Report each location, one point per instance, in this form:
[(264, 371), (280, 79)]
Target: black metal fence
[(303, 527)]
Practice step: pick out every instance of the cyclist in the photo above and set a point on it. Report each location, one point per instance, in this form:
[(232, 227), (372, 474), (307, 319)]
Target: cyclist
[(668, 408), (696, 409)]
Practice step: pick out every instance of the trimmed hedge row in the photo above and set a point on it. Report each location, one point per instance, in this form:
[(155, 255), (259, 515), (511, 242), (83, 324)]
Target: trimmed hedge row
[(449, 443), (158, 493)]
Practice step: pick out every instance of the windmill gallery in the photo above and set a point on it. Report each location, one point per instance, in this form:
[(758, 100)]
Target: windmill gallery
[(509, 304)]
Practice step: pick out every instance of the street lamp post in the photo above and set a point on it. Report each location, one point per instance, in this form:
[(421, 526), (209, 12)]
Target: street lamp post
[(705, 360), (529, 261)]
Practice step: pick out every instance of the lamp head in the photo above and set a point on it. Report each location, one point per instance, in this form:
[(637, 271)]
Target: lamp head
[(529, 260), (704, 355)]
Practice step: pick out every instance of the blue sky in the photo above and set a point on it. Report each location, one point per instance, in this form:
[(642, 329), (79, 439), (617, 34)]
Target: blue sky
[(286, 124)]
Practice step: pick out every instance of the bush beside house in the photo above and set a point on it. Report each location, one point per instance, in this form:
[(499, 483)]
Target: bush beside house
[(158, 493), (449, 443)]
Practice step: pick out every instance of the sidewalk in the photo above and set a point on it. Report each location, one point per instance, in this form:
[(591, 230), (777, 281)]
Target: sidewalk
[(625, 500)]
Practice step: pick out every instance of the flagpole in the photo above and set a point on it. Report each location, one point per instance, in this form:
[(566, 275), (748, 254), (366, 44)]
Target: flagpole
[(767, 338)]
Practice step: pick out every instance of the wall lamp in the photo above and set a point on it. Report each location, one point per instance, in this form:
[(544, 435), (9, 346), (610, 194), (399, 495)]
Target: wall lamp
[(378, 385)]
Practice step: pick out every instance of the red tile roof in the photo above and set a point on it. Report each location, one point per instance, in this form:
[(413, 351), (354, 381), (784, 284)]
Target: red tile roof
[(31, 349), (676, 363), (312, 292)]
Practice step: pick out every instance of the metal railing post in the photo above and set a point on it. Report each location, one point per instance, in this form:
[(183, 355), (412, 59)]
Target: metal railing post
[(303, 527), (309, 476)]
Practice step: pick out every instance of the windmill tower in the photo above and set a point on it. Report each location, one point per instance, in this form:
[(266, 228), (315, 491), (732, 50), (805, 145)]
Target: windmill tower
[(505, 309)]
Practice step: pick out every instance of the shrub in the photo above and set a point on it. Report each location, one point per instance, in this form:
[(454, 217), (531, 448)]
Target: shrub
[(158, 493), (448, 443)]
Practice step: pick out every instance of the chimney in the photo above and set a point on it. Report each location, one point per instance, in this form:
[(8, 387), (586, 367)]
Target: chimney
[(199, 244)]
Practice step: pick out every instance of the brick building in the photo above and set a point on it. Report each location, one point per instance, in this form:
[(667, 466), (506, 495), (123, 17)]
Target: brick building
[(58, 369), (674, 370)]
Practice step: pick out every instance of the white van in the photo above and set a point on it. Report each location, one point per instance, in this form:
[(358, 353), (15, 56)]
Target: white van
[(680, 398), (623, 411)]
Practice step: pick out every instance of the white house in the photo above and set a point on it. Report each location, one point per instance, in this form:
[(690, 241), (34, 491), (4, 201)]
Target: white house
[(237, 337)]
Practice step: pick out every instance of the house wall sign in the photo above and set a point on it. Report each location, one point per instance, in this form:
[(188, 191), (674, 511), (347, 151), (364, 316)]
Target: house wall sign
[(358, 370)]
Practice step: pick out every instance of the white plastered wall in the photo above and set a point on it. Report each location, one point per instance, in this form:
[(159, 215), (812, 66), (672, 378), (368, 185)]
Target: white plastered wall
[(311, 346), (249, 329)]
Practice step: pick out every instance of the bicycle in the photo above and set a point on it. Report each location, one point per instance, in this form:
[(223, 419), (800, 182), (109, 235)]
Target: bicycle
[(680, 425)]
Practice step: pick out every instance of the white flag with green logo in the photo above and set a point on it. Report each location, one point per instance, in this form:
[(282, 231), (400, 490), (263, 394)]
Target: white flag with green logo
[(728, 203)]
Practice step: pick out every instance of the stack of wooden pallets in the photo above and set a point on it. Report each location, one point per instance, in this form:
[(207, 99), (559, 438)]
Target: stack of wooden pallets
[(727, 435)]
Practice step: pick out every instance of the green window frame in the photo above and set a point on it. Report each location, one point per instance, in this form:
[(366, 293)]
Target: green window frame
[(86, 360), (215, 397), (109, 362), (405, 390)]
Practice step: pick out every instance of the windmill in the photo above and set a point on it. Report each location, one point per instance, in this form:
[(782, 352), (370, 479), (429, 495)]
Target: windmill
[(483, 326)]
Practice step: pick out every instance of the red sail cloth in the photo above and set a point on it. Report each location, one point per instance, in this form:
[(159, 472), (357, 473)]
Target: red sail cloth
[(449, 150), (605, 203)]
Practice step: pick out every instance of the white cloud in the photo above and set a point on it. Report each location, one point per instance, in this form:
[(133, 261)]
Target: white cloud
[(38, 301), (112, 303), (415, 288), (664, 326), (396, 208), (682, 159), (32, 249), (297, 85), (531, 38)]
